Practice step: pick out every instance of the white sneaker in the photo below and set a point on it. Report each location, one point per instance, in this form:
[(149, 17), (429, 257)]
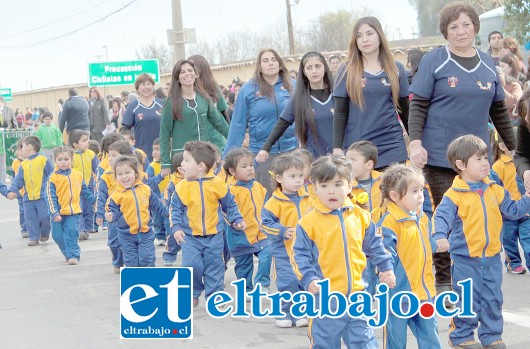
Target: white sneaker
[(160, 242), (285, 323), (302, 322)]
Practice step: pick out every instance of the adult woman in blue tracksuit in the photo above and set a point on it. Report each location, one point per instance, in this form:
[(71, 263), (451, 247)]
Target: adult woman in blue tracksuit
[(258, 107)]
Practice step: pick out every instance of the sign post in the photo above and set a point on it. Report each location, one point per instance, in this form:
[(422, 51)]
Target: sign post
[(121, 73), (6, 93)]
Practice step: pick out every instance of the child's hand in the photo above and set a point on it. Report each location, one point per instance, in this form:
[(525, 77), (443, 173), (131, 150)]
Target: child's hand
[(57, 219), (11, 195), (313, 287), (442, 245), (165, 172), (239, 226), (108, 217), (288, 234), (388, 278), (179, 237), (99, 221)]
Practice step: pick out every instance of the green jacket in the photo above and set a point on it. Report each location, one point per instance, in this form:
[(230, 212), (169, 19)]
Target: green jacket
[(202, 123), (50, 136)]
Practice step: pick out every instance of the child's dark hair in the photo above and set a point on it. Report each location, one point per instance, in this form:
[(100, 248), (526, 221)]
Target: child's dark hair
[(108, 140), (201, 151), (367, 149), (75, 136), (176, 160), (156, 141), (233, 158), (127, 160), (64, 149), (523, 107), (125, 132), (325, 168), (304, 154), (94, 146), (463, 148), (47, 114), (139, 157), (33, 141), (397, 178), (281, 164), (495, 141), (122, 147)]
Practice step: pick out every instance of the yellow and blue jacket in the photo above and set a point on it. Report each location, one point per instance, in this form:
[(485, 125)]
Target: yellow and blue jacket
[(15, 166), (310, 190), (334, 244), (279, 214), (408, 238), (106, 186), (227, 179), (144, 157), (131, 208), (153, 170), (32, 176), (250, 198), (374, 195), (174, 179), (64, 191), (198, 204), (87, 163), (507, 173), (474, 217), (103, 165)]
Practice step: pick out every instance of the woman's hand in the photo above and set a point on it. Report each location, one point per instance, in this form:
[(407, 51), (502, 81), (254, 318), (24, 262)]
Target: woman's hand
[(526, 180), (418, 154), (338, 151), (262, 156)]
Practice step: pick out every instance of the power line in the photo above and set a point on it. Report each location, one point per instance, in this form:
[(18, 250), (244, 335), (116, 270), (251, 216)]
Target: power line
[(68, 33)]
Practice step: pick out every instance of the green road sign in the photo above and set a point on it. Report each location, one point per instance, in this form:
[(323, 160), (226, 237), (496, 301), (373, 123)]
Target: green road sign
[(6, 93), (10, 139), (121, 73)]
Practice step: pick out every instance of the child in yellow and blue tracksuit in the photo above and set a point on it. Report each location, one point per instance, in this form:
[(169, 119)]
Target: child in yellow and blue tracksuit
[(32, 176), (289, 202), (103, 156), (128, 135), (407, 237), (172, 248), (106, 186), (307, 158), (332, 241), (15, 166), (153, 170), (250, 198), (472, 209), (86, 162), (196, 217), (64, 191), (130, 206), (513, 231)]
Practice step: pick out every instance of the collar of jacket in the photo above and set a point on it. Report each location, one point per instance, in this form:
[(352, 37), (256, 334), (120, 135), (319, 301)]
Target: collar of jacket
[(244, 184), (375, 176), (278, 194), (506, 159), (120, 187), (347, 205), (401, 215), (460, 185), (208, 177), (33, 156), (64, 172), (79, 151)]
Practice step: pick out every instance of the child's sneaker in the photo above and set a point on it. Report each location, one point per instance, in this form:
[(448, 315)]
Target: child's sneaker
[(467, 345), (24, 234), (517, 270), (168, 263), (117, 270), (284, 323), (33, 242), (44, 238), (302, 322), (73, 261), (195, 302), (496, 345), (160, 242)]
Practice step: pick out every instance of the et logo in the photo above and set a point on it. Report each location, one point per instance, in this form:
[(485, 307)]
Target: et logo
[(156, 303)]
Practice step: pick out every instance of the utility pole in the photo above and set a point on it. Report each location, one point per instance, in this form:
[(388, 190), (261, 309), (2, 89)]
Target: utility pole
[(179, 49), (290, 27)]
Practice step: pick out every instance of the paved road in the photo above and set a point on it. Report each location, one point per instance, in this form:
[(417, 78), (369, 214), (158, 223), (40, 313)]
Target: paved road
[(45, 303)]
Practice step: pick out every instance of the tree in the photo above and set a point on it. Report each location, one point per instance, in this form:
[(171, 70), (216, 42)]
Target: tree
[(517, 15), (161, 52)]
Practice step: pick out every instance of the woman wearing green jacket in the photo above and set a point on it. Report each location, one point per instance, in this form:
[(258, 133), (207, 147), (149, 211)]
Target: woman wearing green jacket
[(188, 115)]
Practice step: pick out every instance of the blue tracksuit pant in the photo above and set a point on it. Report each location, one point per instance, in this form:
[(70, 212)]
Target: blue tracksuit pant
[(285, 280), (245, 268), (138, 249), (425, 331), (513, 233), (159, 226), (21, 216), (114, 245), (487, 299), (205, 255), (66, 234), (370, 277), (39, 224), (326, 333), (87, 223)]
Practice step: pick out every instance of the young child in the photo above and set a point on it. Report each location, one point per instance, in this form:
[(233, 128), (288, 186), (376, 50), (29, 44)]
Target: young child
[(32, 176), (129, 206), (332, 241), (106, 186), (103, 156), (196, 219), (513, 231), (15, 166), (49, 135), (289, 202), (86, 162), (153, 170), (94, 146), (476, 204), (128, 135), (64, 191), (307, 158), (250, 198), (407, 237), (172, 248)]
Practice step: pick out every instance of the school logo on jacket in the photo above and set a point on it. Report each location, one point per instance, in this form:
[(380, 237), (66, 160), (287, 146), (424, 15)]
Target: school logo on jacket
[(156, 303), (452, 81), (482, 87)]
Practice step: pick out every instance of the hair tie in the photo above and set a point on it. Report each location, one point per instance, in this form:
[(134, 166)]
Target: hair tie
[(362, 198), (273, 175)]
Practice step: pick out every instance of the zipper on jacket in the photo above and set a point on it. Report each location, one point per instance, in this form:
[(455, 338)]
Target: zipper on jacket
[(485, 228), (71, 194), (31, 180), (255, 211), (204, 233), (137, 212), (345, 241), (424, 260), (277, 117)]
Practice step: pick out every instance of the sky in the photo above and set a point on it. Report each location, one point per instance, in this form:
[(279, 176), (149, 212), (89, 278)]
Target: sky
[(50, 43)]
